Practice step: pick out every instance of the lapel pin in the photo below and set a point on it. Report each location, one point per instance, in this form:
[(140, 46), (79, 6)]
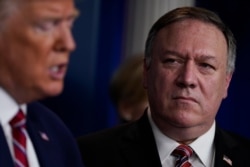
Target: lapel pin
[(227, 160), (44, 136)]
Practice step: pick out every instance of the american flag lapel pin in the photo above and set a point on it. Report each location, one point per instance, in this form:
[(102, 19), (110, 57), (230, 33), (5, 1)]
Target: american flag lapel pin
[(227, 160), (44, 136)]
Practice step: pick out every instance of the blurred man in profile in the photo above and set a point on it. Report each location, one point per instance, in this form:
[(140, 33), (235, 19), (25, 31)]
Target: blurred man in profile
[(35, 44)]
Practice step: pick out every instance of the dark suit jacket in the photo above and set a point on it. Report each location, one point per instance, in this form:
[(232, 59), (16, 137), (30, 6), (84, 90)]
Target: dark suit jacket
[(53, 142), (133, 145)]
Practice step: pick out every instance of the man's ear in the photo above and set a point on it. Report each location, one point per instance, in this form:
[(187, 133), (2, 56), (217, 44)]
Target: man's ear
[(145, 71), (227, 83)]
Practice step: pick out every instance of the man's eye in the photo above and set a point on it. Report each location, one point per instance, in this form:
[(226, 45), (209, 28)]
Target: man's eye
[(46, 26), (207, 66), (171, 61)]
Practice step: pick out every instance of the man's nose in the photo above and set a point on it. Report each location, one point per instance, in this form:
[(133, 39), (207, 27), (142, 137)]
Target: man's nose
[(65, 42), (187, 76)]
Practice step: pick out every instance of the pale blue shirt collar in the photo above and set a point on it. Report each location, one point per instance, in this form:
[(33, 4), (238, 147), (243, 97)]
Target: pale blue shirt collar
[(203, 146)]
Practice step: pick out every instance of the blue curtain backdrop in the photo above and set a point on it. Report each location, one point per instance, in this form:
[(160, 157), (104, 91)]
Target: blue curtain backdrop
[(85, 106), (109, 56)]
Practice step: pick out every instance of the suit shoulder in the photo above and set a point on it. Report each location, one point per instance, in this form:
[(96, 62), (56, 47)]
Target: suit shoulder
[(38, 109), (108, 143), (43, 117), (236, 136), (235, 139), (106, 134)]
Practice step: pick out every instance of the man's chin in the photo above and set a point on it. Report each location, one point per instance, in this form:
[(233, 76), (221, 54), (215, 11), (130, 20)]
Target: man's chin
[(54, 90)]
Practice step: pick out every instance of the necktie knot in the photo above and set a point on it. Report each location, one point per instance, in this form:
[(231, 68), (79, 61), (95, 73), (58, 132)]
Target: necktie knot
[(182, 153), (19, 120)]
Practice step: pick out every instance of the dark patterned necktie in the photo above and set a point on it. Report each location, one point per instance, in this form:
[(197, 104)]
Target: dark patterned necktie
[(182, 154), (19, 139)]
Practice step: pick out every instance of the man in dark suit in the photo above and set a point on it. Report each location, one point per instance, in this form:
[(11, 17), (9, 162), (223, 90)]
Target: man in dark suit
[(189, 62), (35, 44)]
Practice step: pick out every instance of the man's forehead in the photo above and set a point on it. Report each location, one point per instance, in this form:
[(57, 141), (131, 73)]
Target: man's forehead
[(44, 0), (51, 5)]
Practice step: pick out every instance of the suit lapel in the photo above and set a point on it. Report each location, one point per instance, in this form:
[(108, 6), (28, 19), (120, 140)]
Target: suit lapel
[(138, 145), (40, 138), (223, 146), (5, 156), (41, 146)]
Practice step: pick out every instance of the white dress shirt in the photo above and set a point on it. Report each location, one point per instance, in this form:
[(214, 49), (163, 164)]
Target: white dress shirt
[(8, 109), (203, 147)]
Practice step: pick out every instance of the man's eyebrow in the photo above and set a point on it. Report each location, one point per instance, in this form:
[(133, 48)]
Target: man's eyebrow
[(204, 56), (174, 53), (208, 57), (75, 14)]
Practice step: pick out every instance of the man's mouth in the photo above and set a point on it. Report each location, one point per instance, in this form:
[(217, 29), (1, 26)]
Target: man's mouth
[(58, 72)]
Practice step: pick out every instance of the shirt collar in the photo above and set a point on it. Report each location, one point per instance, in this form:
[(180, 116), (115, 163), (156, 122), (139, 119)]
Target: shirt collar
[(202, 146), (165, 145), (8, 107)]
